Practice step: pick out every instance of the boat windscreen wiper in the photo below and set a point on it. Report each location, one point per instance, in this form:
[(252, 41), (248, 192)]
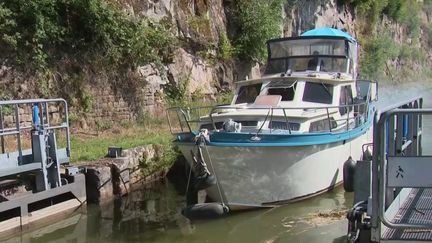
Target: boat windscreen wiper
[(326, 89)]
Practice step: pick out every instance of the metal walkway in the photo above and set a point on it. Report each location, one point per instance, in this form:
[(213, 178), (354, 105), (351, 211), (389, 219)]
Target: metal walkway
[(416, 208)]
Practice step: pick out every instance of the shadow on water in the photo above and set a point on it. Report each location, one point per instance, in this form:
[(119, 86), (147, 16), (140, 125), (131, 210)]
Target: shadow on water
[(152, 214)]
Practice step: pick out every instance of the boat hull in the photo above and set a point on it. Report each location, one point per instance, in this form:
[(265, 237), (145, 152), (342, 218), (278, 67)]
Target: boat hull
[(254, 176)]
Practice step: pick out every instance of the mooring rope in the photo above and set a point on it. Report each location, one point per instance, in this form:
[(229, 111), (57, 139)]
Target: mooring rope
[(214, 171), (188, 182)]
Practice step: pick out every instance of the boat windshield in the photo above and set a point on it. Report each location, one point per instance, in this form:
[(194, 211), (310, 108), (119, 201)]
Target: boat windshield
[(299, 64), (316, 54)]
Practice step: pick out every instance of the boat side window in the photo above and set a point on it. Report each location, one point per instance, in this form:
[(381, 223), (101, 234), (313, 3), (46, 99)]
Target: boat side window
[(318, 92), (363, 89), (322, 125), (346, 98), (248, 93), (282, 125)]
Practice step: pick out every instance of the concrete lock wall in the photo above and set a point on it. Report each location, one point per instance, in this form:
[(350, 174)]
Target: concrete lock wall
[(107, 178)]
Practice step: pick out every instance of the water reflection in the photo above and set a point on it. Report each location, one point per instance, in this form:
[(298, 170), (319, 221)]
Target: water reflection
[(153, 215)]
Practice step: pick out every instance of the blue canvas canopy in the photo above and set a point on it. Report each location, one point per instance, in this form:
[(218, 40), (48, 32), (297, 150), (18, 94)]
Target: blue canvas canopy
[(326, 31)]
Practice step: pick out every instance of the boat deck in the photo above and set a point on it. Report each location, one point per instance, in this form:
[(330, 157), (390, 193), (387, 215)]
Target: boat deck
[(416, 208)]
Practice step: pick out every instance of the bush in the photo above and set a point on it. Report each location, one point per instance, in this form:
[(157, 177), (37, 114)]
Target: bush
[(39, 31), (257, 21), (225, 50), (411, 54), (224, 97), (176, 94), (377, 50)]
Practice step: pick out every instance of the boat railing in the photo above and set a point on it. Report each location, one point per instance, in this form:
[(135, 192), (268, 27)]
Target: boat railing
[(186, 119), (20, 118), (329, 118), (400, 169)]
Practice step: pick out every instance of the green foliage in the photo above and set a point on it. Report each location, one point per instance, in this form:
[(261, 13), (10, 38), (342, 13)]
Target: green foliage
[(411, 53), (402, 11), (377, 50), (368, 9), (33, 30), (168, 156), (87, 101), (6, 109), (225, 50), (428, 30), (399, 10), (257, 21), (73, 118), (427, 6), (200, 24), (224, 97), (396, 9), (103, 125), (379, 47), (177, 93), (65, 42)]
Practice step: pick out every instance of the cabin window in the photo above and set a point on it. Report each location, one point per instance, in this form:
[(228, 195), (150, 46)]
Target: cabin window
[(282, 125), (219, 125), (318, 93), (248, 93), (248, 123), (286, 93), (322, 125), (346, 98)]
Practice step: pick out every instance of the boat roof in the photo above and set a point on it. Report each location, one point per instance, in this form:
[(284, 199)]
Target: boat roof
[(314, 79), (328, 32)]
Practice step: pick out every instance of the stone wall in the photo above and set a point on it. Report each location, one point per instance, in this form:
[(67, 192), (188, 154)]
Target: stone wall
[(112, 177), (55, 115)]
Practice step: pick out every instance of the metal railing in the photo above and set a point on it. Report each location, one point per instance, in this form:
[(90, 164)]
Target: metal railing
[(15, 109), (397, 133), (187, 117)]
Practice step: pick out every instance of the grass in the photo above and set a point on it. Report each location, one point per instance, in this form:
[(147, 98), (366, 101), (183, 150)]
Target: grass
[(92, 147)]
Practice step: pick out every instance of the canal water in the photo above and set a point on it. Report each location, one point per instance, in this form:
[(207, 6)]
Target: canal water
[(152, 213)]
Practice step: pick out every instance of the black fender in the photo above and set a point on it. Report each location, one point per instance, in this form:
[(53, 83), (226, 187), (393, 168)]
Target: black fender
[(348, 174), (205, 211)]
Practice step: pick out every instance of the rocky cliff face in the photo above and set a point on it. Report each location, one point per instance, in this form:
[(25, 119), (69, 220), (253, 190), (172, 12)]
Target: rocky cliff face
[(306, 15)]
